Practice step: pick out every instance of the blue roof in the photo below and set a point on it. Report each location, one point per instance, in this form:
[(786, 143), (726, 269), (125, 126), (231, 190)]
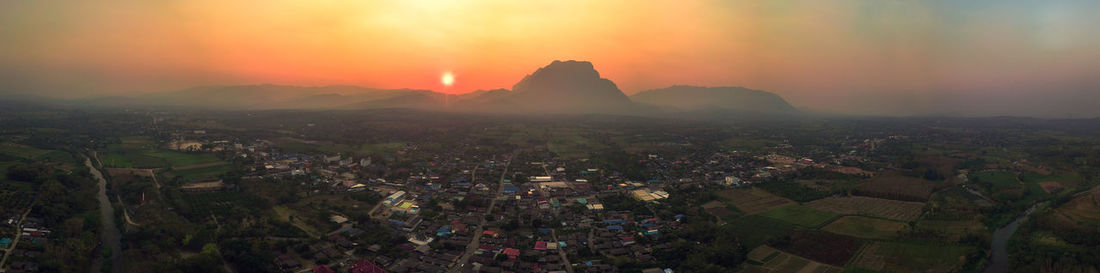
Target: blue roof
[(614, 222), (615, 227), (544, 230)]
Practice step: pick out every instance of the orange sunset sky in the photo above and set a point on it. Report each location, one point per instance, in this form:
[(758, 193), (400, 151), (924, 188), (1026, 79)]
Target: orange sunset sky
[(850, 56)]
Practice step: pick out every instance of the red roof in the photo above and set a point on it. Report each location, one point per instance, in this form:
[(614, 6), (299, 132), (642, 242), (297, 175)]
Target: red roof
[(322, 269), (540, 245), (365, 266), (511, 252)]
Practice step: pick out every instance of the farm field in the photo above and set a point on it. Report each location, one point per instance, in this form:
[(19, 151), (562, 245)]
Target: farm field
[(153, 159), (957, 202), (21, 151), (953, 229), (820, 246), (878, 207), (896, 187), (197, 174), (181, 159), (829, 185), (774, 260), (911, 257), (865, 227), (1000, 180), (1083, 210), (755, 230), (800, 215), (28, 152), (754, 200), (130, 171), (721, 210)]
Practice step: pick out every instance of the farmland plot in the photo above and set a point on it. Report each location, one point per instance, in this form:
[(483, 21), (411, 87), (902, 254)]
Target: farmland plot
[(858, 205), (753, 201)]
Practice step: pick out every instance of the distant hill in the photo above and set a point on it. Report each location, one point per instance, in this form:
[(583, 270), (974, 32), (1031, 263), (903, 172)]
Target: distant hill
[(269, 96), (562, 87), (694, 98), (566, 87)]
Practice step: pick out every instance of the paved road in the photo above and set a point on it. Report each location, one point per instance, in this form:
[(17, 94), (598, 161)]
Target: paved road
[(18, 234), (476, 241), (561, 251)]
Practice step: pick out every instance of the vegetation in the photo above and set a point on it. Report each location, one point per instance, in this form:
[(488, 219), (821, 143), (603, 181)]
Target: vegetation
[(800, 215)]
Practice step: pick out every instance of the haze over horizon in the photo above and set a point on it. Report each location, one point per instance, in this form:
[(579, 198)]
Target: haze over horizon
[(1014, 57)]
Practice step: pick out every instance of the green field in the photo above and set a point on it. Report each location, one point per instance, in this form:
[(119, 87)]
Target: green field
[(953, 229), (153, 159), (376, 149), (800, 215), (865, 227), (21, 151), (1000, 180), (180, 159), (1064, 177), (755, 230), (912, 257), (199, 174), (57, 156), (572, 145)]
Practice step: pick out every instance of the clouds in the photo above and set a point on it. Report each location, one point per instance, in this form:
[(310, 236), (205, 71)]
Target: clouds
[(862, 56)]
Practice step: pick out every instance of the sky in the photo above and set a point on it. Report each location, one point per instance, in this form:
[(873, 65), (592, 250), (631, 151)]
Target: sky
[(878, 57)]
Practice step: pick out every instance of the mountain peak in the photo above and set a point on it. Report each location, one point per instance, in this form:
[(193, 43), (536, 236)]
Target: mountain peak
[(569, 86)]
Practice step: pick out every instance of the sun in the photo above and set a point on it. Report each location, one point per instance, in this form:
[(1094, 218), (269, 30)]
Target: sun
[(448, 79)]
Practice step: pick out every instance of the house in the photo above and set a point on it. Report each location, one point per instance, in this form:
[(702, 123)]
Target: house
[(364, 266), (322, 269), (511, 252)]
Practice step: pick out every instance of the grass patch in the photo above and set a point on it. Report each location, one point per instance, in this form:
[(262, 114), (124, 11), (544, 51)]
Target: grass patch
[(180, 159), (199, 174), (57, 156), (912, 257), (754, 230), (21, 151), (800, 215), (865, 227), (998, 179)]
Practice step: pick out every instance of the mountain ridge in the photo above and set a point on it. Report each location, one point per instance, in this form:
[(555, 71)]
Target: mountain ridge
[(560, 87)]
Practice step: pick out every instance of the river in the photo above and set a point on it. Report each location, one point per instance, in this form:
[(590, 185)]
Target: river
[(110, 234), (999, 249)]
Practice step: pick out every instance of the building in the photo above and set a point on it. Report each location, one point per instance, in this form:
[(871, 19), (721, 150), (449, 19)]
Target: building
[(364, 266), (407, 207), (648, 195), (540, 179), (394, 198)]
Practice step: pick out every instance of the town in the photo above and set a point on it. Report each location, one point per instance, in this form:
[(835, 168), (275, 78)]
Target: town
[(396, 191)]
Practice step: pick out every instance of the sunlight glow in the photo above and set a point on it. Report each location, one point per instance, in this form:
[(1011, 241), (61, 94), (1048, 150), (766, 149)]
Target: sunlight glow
[(448, 79)]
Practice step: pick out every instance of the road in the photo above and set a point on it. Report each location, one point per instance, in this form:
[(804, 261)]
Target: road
[(561, 251), (18, 234), (476, 241)]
